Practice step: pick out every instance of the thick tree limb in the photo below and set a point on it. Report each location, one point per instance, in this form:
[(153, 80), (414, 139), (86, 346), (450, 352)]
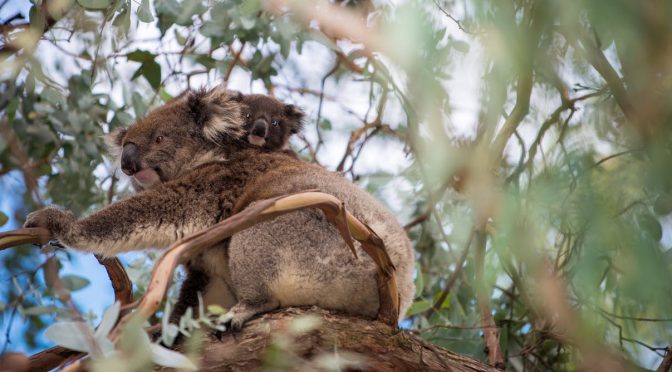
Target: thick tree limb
[(33, 235), (373, 345)]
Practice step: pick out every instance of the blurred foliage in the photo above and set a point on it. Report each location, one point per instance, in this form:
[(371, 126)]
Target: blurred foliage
[(544, 127)]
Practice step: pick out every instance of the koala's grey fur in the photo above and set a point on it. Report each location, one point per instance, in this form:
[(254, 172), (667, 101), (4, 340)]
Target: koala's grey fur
[(205, 173)]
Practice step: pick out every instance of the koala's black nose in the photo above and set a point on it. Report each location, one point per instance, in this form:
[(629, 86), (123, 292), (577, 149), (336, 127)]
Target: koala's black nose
[(129, 159), (259, 128)]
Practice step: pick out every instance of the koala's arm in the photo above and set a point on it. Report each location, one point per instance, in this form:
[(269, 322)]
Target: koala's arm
[(151, 219)]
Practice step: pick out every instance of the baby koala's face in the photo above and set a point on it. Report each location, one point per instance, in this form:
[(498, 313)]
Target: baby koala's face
[(268, 122)]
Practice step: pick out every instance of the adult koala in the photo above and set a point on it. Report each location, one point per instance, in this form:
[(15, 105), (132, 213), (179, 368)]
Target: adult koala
[(193, 169)]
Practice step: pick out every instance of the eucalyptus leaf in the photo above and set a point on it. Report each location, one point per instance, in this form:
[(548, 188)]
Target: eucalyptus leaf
[(72, 335), (74, 282), (169, 358), (110, 317), (144, 12)]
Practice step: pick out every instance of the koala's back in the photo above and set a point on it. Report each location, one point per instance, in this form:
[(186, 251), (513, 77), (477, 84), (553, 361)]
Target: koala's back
[(300, 259)]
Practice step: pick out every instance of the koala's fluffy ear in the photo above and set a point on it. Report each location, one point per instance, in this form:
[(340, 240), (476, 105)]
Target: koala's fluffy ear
[(113, 140), (217, 112), (296, 115)]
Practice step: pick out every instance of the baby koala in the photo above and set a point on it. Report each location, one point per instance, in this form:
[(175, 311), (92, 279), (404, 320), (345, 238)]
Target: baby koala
[(269, 123)]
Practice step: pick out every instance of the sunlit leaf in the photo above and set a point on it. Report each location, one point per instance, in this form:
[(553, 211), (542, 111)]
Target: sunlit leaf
[(72, 335)]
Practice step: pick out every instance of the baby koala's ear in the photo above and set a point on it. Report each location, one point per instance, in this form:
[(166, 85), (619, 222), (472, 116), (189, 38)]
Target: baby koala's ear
[(114, 139), (217, 112), (296, 115), (236, 96)]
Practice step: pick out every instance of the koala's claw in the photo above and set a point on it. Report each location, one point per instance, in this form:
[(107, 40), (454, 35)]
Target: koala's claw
[(232, 325), (241, 313)]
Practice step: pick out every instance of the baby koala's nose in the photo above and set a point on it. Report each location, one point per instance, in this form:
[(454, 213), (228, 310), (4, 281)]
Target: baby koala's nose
[(129, 159), (259, 128)]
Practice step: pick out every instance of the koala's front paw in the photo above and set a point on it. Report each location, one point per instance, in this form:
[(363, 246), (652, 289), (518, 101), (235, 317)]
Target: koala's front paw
[(57, 221)]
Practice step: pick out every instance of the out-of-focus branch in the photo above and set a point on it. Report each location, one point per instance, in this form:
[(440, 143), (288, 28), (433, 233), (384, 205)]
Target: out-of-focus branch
[(457, 21), (567, 104), (566, 326), (598, 60), (490, 330), (335, 21), (451, 279), (23, 162), (531, 33), (520, 110), (232, 65), (320, 140), (48, 14)]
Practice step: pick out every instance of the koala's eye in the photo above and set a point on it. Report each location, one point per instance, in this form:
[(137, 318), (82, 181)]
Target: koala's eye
[(275, 123), (247, 116), (159, 139)]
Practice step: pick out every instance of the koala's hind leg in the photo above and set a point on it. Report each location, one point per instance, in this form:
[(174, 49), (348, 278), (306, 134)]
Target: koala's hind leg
[(243, 311)]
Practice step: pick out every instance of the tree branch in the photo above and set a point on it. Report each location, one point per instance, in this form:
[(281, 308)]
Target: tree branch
[(490, 330)]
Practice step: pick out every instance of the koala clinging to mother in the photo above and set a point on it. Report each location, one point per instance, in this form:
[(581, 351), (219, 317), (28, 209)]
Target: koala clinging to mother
[(192, 166)]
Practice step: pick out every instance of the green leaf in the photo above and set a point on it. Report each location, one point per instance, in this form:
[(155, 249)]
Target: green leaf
[(3, 217), (189, 8), (446, 301), (250, 7), (74, 282), (140, 56), (206, 61), (144, 12), (216, 309), (152, 72), (53, 96), (94, 4), (165, 96), (325, 124), (419, 306)]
